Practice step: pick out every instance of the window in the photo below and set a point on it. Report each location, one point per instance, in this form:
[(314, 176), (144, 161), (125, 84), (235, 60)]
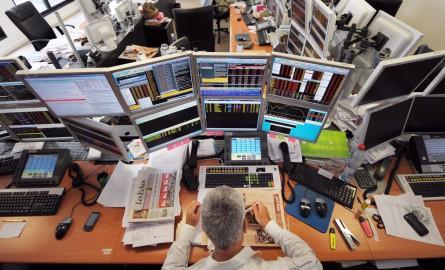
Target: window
[(45, 7)]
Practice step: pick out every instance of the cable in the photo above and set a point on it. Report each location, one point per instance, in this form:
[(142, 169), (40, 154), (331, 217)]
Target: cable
[(283, 188)]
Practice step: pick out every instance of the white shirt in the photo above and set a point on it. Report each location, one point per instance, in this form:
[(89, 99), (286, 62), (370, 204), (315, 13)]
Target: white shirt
[(299, 255)]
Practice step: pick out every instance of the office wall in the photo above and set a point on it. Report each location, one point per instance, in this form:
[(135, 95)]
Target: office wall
[(428, 17), (15, 37)]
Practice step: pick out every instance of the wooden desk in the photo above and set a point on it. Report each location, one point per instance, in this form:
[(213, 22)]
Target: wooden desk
[(239, 27), (38, 245)]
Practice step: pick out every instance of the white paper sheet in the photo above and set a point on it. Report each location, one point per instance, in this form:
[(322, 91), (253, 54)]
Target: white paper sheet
[(136, 148), (20, 146), (165, 159), (11, 229), (145, 234), (206, 148), (93, 154), (393, 208), (116, 191)]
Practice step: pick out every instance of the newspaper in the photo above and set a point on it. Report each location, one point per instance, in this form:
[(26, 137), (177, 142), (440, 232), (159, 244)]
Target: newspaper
[(153, 195), (255, 236)]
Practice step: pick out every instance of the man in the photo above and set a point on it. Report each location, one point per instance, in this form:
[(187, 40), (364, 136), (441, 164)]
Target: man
[(222, 218)]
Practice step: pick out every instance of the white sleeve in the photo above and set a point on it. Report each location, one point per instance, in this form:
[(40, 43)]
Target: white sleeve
[(299, 254), (178, 254)]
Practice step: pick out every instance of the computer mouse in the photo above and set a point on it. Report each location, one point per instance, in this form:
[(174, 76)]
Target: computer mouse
[(321, 206), (62, 227), (305, 207), (380, 173)]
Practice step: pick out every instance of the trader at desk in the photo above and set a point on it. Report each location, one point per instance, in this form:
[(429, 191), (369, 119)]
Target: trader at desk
[(223, 219)]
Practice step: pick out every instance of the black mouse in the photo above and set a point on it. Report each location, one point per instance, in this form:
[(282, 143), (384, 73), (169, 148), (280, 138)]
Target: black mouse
[(305, 207), (63, 227), (321, 206), (380, 173)]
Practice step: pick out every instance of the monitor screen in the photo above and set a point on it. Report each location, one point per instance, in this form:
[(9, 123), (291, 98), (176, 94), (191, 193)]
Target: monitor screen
[(161, 128), (229, 76), (309, 82), (148, 85), (27, 116), (426, 115), (232, 114), (76, 95), (245, 148), (293, 120), (397, 77), (439, 89), (15, 91), (377, 132), (41, 133), (8, 69), (295, 41), (40, 166), (322, 26)]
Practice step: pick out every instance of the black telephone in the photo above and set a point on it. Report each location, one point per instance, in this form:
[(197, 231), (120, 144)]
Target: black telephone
[(427, 154), (189, 178), (42, 167)]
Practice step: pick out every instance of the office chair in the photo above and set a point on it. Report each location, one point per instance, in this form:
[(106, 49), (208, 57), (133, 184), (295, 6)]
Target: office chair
[(167, 6), (220, 12), (389, 6), (197, 25), (182, 42), (28, 19)]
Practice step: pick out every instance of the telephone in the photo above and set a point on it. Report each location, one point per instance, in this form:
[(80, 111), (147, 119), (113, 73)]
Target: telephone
[(427, 153)]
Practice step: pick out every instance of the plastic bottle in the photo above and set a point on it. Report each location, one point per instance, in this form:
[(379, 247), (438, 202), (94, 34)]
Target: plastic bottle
[(354, 162), (164, 49)]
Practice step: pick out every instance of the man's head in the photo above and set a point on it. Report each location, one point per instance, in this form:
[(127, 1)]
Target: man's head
[(222, 216)]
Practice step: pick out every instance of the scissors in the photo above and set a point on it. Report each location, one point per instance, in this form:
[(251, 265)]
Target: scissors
[(379, 220)]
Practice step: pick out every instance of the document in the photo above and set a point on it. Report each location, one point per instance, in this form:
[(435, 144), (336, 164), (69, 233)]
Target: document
[(255, 236), (393, 208), (149, 234), (153, 196), (115, 192), (11, 229), (165, 159), (136, 148)]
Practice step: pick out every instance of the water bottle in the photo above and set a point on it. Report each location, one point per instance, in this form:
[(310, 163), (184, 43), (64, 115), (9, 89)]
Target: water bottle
[(354, 162)]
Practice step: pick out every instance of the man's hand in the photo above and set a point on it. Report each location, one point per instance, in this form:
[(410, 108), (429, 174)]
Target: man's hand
[(261, 214), (192, 214)]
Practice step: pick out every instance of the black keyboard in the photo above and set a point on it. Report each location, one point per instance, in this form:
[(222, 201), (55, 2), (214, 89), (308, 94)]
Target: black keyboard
[(77, 150), (364, 179), (248, 19), (30, 201), (429, 186), (240, 176), (335, 189), (263, 38), (8, 165)]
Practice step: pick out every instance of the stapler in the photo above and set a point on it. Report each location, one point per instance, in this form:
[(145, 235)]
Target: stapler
[(350, 239)]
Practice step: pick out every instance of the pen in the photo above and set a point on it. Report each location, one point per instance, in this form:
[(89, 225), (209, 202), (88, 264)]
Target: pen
[(14, 220), (332, 239), (250, 207)]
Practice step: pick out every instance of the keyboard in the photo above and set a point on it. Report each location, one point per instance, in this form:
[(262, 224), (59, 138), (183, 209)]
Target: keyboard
[(263, 38), (8, 165), (364, 179), (248, 19), (240, 176), (77, 150), (431, 186), (30, 201), (335, 189)]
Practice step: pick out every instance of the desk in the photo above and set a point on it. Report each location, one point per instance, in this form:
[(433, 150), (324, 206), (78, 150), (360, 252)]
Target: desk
[(37, 243), (239, 27)]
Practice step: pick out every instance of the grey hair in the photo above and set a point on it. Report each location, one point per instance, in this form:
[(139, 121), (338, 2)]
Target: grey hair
[(222, 216)]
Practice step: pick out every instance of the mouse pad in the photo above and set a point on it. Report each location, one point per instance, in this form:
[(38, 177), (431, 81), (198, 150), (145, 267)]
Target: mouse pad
[(313, 220)]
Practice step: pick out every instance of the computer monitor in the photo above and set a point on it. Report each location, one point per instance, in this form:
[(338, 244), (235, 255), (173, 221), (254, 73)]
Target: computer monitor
[(437, 86), (361, 11), (97, 135), (301, 14), (300, 121), (282, 17), (295, 41), (375, 131), (231, 75), (147, 84), (307, 80), (232, 114), (9, 67), (398, 77), (272, 7), (402, 37), (101, 34), (309, 50), (426, 115), (74, 92), (322, 27), (122, 10), (168, 124), (12, 90), (32, 123)]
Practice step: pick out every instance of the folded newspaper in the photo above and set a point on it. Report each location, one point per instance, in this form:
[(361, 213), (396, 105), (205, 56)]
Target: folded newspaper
[(153, 195)]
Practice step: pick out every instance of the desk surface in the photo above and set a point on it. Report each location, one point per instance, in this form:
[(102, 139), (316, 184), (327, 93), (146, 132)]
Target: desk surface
[(239, 27), (103, 245)]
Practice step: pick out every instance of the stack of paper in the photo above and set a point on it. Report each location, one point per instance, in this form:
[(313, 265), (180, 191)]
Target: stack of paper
[(393, 208), (375, 154)]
